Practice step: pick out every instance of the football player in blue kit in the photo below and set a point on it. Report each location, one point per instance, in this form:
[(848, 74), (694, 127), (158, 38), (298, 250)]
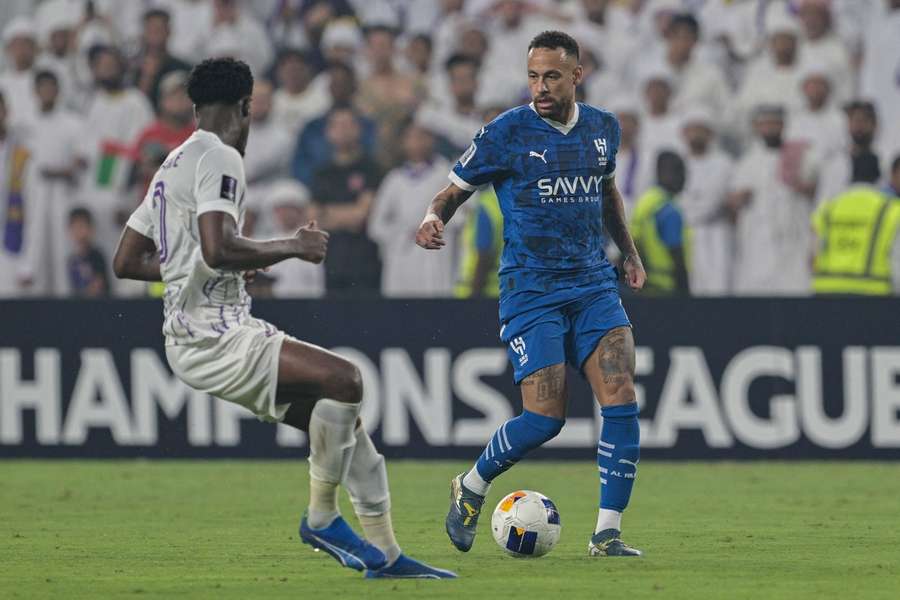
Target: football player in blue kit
[(552, 164)]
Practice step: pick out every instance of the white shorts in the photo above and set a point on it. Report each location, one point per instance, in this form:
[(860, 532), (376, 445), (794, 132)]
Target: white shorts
[(240, 367)]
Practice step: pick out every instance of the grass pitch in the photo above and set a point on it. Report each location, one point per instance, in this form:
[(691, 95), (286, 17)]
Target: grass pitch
[(228, 530)]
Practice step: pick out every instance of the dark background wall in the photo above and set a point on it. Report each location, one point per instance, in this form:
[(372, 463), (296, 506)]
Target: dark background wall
[(748, 378)]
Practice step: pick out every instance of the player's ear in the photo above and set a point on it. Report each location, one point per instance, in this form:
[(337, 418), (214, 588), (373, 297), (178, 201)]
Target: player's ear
[(245, 107), (579, 74)]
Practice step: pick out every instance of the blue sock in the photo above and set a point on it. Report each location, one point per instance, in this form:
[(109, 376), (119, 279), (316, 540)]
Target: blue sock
[(618, 452), (513, 440)]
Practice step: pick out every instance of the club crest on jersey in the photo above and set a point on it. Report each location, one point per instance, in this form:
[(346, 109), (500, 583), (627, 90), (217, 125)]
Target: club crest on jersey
[(229, 188), (600, 145), (518, 346)]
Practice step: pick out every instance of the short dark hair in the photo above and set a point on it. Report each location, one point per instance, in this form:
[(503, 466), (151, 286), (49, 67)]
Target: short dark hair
[(684, 20), (157, 13), (219, 81), (554, 40), (896, 164), (292, 52), (338, 65), (460, 59), (863, 106), (96, 50), (379, 28), (80, 213), (45, 75), (422, 37)]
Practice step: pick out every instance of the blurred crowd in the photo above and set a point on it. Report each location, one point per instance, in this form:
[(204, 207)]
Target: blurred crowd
[(742, 121)]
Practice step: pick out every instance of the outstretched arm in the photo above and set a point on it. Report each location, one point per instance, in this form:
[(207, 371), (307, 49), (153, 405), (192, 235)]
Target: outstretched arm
[(136, 257), (224, 248), (614, 220), (431, 232)]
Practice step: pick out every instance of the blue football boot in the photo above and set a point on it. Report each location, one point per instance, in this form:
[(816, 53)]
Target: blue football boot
[(408, 568), (462, 518), (607, 543), (340, 541)]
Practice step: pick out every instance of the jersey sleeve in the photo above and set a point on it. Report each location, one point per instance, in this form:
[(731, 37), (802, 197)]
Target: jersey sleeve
[(484, 161), (670, 226), (219, 182), (615, 133), (141, 221)]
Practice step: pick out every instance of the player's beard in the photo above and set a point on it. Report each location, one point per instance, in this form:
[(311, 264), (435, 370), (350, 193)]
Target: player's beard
[(552, 110)]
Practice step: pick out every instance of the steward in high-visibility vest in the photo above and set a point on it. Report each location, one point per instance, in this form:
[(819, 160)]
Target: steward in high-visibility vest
[(659, 232), (482, 243), (856, 234)]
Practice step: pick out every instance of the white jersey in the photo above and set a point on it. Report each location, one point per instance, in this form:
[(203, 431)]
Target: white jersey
[(201, 175)]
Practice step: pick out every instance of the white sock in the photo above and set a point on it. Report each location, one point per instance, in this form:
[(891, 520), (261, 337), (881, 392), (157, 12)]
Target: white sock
[(608, 519), (474, 482), (331, 443), (322, 503), (380, 531), (367, 485)]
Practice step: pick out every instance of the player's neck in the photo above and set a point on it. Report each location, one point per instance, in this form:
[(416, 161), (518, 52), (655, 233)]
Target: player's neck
[(225, 127)]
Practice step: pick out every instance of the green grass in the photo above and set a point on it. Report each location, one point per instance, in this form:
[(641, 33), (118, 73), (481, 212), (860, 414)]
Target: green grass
[(228, 530)]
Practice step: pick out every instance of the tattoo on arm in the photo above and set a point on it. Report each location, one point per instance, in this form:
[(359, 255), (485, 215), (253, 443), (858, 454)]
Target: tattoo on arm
[(446, 202), (614, 217)]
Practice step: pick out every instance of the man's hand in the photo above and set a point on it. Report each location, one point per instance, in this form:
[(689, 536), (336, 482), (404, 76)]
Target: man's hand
[(431, 233), (312, 243), (250, 276), (635, 276)]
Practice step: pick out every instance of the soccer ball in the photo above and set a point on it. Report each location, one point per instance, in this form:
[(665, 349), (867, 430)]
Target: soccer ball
[(526, 524)]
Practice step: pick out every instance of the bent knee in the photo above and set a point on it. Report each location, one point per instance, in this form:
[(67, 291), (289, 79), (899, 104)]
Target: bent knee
[(345, 384)]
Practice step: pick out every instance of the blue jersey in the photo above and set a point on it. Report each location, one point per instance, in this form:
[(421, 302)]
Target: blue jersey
[(548, 179)]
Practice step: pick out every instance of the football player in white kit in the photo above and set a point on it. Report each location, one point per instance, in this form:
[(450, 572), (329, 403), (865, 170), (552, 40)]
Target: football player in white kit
[(186, 233)]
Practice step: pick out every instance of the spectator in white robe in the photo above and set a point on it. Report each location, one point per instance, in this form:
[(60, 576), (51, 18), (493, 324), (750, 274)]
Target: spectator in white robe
[(660, 126), (772, 77), (455, 118), (299, 98), (17, 78), (818, 129), (269, 146), (289, 207), (56, 23), (704, 206), (880, 77), (114, 118), (396, 215), (696, 82), (822, 44), (15, 277), (772, 233), (56, 164), (235, 31), (634, 167)]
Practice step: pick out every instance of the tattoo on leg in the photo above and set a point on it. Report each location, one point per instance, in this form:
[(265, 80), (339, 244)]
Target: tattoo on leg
[(616, 356), (550, 382)]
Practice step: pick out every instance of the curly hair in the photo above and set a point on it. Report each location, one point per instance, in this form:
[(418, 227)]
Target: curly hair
[(554, 40), (219, 81)]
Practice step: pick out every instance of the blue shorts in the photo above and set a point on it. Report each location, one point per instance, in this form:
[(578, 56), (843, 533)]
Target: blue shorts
[(563, 325)]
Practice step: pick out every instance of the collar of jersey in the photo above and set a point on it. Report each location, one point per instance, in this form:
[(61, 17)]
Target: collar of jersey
[(563, 128)]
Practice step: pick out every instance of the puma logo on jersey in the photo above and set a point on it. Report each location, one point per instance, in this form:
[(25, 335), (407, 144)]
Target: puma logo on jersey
[(540, 156), (625, 461)]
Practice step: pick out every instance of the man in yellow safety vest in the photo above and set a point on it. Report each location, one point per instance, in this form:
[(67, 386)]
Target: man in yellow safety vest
[(659, 231), (857, 234)]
